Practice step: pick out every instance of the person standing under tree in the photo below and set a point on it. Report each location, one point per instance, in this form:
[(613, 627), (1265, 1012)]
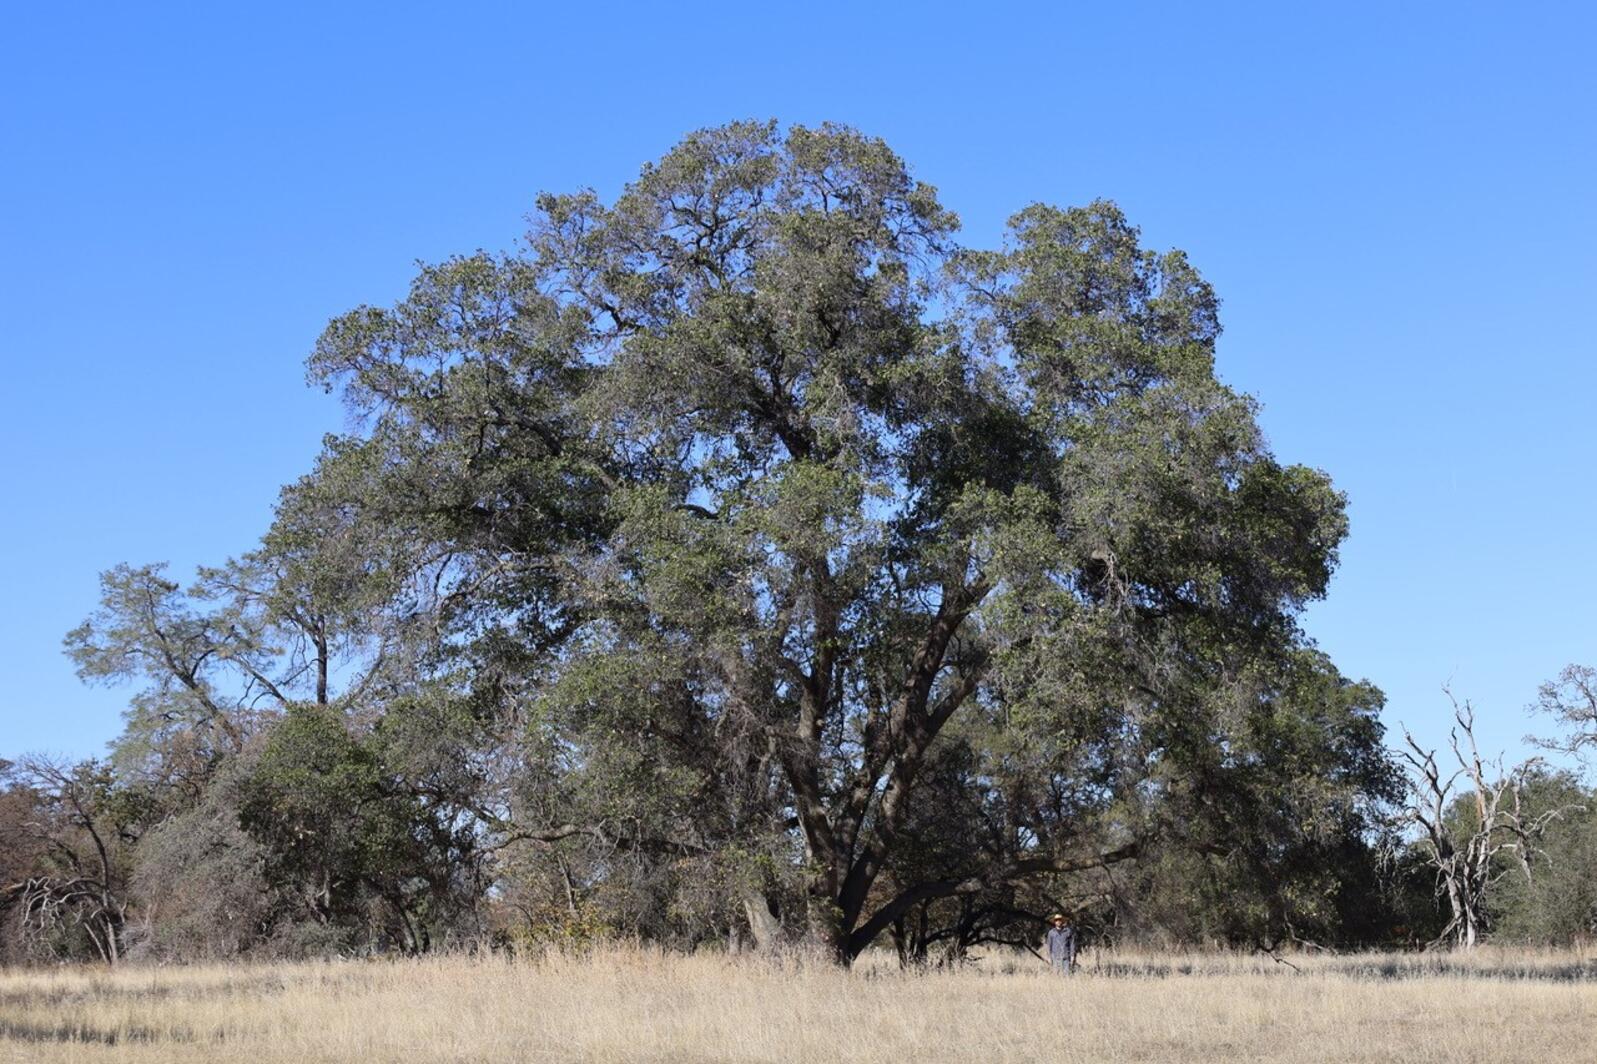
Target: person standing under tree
[(1061, 944)]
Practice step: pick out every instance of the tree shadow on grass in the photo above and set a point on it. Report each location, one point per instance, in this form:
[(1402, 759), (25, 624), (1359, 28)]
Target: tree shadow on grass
[(15, 1031), (1384, 969)]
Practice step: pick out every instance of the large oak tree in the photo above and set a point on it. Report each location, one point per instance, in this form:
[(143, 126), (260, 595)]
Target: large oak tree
[(741, 501)]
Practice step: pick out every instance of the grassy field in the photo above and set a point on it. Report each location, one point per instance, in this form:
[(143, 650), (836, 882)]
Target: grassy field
[(632, 1005)]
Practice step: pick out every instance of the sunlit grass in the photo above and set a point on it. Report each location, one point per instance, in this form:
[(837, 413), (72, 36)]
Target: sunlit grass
[(631, 1004)]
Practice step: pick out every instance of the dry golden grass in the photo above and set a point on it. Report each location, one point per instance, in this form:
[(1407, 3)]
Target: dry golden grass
[(637, 1005)]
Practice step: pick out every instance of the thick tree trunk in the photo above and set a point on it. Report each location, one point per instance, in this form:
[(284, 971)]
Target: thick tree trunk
[(764, 927), (845, 844), (827, 931)]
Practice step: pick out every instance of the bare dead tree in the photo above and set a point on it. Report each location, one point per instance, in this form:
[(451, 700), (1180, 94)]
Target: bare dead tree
[(1466, 856)]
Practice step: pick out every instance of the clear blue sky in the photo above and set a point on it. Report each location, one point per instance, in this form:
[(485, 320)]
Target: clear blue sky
[(1395, 201)]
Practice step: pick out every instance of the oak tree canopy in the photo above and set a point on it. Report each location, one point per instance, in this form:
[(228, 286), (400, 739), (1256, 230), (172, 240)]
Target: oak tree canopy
[(750, 553)]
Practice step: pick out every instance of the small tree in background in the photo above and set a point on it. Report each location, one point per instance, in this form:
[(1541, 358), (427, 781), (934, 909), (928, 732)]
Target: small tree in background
[(79, 825), (1571, 700)]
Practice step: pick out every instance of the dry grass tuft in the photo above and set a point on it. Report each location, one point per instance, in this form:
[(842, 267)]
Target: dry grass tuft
[(639, 1005)]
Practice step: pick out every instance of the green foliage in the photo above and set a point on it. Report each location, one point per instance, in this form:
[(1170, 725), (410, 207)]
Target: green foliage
[(1557, 904), (339, 833), (746, 546)]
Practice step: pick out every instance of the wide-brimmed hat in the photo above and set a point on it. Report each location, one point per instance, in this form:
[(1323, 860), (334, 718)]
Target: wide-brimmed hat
[(1056, 916)]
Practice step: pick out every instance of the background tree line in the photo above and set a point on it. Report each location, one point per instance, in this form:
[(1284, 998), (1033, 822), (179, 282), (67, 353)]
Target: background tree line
[(746, 561)]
